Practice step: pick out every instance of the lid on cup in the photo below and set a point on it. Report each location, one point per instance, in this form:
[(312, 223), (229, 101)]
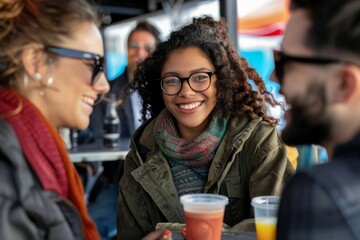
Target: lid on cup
[(204, 201), (268, 202)]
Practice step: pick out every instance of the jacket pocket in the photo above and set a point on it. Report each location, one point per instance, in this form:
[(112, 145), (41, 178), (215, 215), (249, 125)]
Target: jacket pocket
[(237, 209)]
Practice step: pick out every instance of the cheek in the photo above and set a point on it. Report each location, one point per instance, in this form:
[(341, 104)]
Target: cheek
[(212, 95), (132, 52), (293, 84), (167, 100)]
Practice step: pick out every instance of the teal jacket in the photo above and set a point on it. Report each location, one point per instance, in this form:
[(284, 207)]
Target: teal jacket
[(251, 160)]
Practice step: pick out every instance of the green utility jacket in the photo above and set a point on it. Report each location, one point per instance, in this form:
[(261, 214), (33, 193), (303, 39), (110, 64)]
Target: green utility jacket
[(251, 160)]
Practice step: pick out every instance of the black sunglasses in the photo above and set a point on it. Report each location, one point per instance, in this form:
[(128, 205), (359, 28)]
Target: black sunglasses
[(98, 60), (281, 58)]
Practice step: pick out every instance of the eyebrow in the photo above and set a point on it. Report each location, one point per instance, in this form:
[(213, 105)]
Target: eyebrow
[(191, 72)]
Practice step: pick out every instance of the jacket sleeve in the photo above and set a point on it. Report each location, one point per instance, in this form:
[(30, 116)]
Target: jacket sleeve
[(14, 221), (133, 220), (307, 212), (271, 169)]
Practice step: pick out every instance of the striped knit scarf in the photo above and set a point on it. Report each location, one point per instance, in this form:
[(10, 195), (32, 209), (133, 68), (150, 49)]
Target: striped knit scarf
[(189, 160)]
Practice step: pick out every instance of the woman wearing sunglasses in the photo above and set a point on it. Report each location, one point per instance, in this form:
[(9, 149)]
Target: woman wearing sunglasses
[(51, 61), (206, 130)]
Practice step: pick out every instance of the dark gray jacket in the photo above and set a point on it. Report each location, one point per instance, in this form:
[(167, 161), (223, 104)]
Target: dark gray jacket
[(26, 210)]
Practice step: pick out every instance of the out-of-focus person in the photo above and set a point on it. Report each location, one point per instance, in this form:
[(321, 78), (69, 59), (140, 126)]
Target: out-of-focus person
[(141, 42), (318, 70), (51, 63), (206, 130)]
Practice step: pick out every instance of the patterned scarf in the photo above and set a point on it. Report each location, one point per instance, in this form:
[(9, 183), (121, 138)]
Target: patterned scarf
[(189, 160), (45, 152)]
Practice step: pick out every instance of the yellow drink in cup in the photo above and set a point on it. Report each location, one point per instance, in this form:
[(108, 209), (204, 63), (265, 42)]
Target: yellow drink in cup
[(265, 209), (266, 228)]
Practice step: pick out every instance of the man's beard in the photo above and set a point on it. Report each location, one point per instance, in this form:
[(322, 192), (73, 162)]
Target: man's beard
[(311, 121)]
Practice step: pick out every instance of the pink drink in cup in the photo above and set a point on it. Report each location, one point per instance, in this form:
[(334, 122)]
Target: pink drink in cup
[(204, 215)]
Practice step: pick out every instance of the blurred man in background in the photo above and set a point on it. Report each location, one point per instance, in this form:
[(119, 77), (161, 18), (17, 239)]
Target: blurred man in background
[(142, 41)]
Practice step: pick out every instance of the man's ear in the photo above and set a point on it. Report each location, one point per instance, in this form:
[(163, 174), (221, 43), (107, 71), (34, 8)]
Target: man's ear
[(349, 84)]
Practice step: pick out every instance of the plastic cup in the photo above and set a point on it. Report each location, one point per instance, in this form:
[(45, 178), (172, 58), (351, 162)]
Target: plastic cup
[(266, 209), (204, 215)]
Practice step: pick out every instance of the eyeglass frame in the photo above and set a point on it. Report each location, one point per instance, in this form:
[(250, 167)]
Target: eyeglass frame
[(280, 58), (149, 48), (210, 74), (99, 61)]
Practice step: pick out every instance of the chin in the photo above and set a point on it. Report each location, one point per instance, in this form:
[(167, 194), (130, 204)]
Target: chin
[(81, 125)]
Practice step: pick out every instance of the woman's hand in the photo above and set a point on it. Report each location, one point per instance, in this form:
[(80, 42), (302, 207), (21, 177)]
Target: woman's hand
[(159, 235)]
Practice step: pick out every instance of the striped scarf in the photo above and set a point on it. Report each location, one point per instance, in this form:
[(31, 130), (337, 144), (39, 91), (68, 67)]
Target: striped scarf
[(189, 160)]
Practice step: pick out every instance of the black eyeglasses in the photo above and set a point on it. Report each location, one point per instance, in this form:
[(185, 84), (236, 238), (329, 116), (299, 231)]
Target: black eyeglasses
[(281, 58), (98, 60), (198, 82)]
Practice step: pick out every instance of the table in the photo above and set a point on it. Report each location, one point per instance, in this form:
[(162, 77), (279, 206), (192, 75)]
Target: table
[(176, 235), (95, 152)]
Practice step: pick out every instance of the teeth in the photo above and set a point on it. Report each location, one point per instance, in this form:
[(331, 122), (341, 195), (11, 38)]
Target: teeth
[(190, 106), (88, 100)]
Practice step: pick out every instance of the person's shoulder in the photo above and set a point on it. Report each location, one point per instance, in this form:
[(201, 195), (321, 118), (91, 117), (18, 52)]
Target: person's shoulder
[(119, 81), (265, 134), (338, 174), (255, 129)]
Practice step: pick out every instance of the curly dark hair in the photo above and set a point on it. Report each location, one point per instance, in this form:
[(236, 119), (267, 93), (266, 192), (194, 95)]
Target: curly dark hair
[(235, 95)]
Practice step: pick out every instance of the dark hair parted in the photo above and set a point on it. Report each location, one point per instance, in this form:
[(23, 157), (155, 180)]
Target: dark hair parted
[(146, 27), (235, 94), (335, 25), (44, 22)]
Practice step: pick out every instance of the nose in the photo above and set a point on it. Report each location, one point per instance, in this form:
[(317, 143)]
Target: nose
[(142, 53), (102, 85), (186, 90), (273, 77)]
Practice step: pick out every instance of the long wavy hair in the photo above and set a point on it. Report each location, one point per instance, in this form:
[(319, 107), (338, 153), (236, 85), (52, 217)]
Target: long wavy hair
[(235, 94), (45, 22)]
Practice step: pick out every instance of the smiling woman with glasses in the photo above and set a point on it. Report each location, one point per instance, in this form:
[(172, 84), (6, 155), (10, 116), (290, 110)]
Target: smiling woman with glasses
[(43, 89), (205, 130)]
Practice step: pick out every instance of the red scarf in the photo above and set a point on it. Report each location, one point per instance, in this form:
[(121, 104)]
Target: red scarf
[(45, 152)]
